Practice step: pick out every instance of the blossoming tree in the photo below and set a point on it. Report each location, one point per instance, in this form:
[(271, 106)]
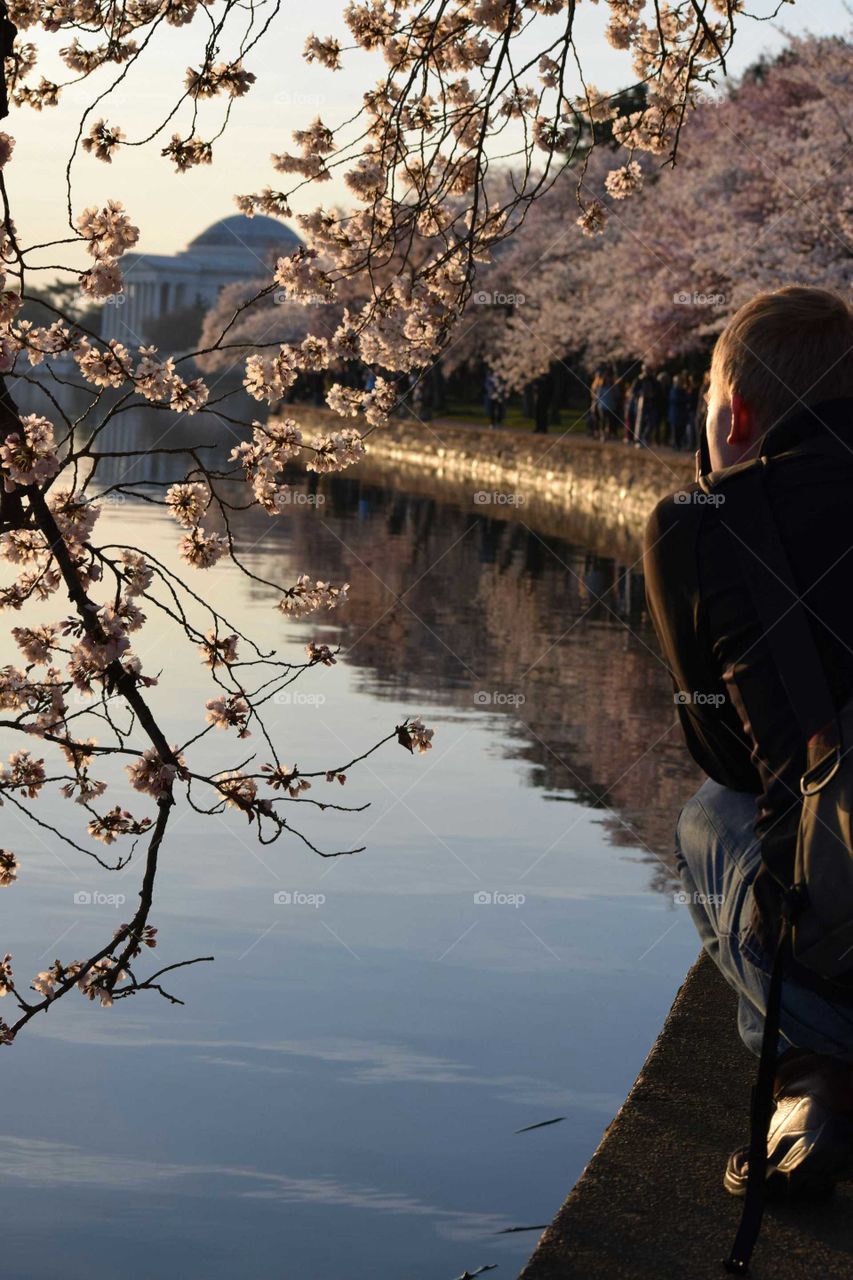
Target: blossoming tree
[(760, 198), (428, 204)]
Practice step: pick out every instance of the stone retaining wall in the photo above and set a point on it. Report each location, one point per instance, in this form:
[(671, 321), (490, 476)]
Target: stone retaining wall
[(650, 1204), (598, 494)]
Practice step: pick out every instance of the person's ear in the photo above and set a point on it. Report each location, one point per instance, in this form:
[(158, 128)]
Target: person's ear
[(744, 426)]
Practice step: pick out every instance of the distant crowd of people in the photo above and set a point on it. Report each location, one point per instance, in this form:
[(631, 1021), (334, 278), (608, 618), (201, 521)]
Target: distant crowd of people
[(642, 408), (649, 408)]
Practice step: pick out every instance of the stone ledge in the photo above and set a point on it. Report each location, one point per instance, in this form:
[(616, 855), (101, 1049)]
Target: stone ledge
[(614, 485), (650, 1204)]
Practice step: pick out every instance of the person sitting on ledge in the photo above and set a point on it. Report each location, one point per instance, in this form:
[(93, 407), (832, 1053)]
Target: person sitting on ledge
[(780, 414)]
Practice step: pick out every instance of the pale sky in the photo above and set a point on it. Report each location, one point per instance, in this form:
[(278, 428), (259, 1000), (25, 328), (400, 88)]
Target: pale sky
[(171, 208)]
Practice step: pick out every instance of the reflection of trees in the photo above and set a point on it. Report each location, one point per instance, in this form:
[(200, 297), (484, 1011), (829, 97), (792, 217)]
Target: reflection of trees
[(447, 602), (136, 426)]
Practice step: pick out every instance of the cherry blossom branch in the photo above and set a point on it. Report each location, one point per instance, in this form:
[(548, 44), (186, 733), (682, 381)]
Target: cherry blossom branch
[(481, 111)]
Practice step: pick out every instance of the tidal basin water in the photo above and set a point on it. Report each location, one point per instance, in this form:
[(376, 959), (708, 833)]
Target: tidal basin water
[(341, 1094)]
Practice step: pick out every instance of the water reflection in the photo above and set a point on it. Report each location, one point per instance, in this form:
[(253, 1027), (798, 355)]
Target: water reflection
[(523, 626), (341, 1093)]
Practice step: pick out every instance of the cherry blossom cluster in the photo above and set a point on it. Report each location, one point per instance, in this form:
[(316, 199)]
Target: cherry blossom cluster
[(429, 207), (264, 459), (96, 980), (336, 450), (112, 34), (671, 270), (28, 455), (309, 597), (418, 165)]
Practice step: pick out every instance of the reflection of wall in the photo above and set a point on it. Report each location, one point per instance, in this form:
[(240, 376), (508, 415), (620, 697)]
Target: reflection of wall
[(446, 603)]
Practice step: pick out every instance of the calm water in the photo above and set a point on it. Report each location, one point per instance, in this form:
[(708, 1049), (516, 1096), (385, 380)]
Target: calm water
[(341, 1093)]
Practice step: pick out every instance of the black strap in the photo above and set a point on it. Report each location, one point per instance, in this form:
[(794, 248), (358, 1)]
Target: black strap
[(824, 445), (737, 1263), (747, 514), (784, 619)]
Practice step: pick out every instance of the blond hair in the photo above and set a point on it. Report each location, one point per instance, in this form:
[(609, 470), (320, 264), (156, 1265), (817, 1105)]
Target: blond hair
[(786, 350)]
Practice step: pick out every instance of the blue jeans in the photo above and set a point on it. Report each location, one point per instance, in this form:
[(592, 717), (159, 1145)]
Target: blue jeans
[(718, 857)]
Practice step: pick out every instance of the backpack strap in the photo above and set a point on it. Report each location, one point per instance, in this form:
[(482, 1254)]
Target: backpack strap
[(747, 514), (737, 1262), (825, 445)]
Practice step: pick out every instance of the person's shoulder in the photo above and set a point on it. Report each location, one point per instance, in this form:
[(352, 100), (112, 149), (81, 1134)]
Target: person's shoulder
[(670, 559), (674, 532), (678, 513)]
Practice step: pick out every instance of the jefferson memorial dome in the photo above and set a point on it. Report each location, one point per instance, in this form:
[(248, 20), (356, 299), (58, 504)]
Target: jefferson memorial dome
[(231, 250)]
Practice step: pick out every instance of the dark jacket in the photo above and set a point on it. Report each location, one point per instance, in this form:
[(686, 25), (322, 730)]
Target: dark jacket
[(737, 719)]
